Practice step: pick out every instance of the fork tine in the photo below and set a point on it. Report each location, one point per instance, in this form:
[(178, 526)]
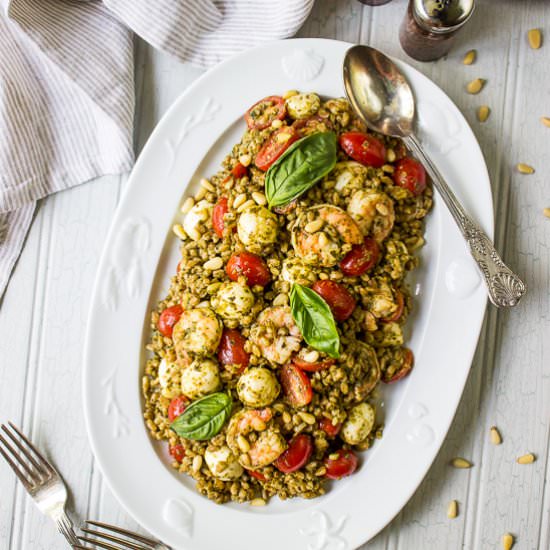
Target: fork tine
[(32, 475), (99, 544), (38, 454), (26, 483), (80, 547), (124, 532), (111, 538), (23, 450)]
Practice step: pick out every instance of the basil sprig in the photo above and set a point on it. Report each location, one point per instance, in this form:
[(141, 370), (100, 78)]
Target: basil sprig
[(314, 319), (302, 165), (204, 418)]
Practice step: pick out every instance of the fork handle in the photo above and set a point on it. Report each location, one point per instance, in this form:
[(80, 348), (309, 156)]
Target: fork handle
[(66, 528), (505, 288)]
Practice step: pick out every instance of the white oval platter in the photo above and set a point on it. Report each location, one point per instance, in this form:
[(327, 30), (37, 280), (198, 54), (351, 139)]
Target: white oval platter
[(141, 254)]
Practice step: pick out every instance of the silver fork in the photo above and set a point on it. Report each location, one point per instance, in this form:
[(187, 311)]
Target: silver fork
[(39, 477), (144, 542)]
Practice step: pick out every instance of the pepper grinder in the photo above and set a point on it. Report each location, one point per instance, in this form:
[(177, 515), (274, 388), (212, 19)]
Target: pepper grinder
[(430, 26)]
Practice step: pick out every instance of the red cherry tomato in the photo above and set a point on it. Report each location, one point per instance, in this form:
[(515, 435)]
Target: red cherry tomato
[(239, 170), (408, 362), (338, 298), (231, 349), (296, 385), (275, 146), (177, 452), (258, 475), (312, 125), (300, 449), (344, 465), (329, 428), (302, 364), (176, 407), (396, 315), (360, 258), (168, 318), (265, 111), (251, 266), (410, 174), (218, 212), (363, 148)]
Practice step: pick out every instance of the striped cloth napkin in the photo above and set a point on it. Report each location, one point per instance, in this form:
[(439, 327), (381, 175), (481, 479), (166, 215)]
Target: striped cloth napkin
[(67, 88)]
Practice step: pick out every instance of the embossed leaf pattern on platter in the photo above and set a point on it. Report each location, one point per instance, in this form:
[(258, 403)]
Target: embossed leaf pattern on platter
[(303, 65), (112, 409), (178, 513), (323, 534)]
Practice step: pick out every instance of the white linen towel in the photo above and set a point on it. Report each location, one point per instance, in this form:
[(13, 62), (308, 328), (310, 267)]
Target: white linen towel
[(67, 87)]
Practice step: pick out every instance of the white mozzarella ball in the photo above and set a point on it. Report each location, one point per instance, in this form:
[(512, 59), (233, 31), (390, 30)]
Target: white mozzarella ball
[(358, 424), (223, 464), (200, 378), (258, 387)]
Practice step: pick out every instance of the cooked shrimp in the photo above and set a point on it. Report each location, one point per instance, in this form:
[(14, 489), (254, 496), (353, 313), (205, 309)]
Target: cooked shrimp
[(323, 234), (276, 334), (268, 445), (198, 331), (373, 211)]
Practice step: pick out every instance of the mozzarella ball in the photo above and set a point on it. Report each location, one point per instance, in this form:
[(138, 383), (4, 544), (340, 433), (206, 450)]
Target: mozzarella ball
[(200, 378), (295, 270), (223, 464), (258, 387), (197, 331), (302, 105), (257, 227), (232, 301), (201, 212), (358, 424)]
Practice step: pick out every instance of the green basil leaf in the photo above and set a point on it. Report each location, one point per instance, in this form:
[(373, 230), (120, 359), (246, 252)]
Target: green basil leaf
[(204, 418), (314, 318), (303, 164)]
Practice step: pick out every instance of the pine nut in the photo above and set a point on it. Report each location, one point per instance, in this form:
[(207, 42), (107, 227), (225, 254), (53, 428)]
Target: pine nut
[(246, 205), (483, 113), (276, 123), (197, 463), (311, 356), (259, 198), (245, 160), (382, 209), (452, 509), (258, 424), (534, 36), (507, 541), (201, 193), (529, 458), (243, 443), (290, 93), (287, 419), (194, 234), (213, 263), (460, 462), (213, 288), (188, 203), (239, 199), (333, 456), (495, 436), (546, 212), (244, 459), (314, 226), (470, 57), (475, 86), (390, 155), (307, 418), (281, 299), (257, 502), (207, 185), (525, 168), (178, 230), (321, 471), (323, 240), (546, 121)]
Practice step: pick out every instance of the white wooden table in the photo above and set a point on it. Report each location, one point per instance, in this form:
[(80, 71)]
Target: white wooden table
[(43, 313)]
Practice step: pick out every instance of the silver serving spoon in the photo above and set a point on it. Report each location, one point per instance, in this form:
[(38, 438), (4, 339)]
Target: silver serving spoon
[(382, 97)]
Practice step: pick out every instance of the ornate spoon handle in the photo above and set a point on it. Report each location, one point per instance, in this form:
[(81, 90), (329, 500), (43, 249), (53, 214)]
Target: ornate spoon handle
[(504, 286)]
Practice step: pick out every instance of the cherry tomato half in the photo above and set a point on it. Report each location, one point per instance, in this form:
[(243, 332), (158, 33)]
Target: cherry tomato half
[(343, 466), (396, 315), (265, 111), (312, 367), (239, 170), (406, 368), (177, 452), (410, 174), (168, 318), (360, 258), (363, 148), (218, 212), (251, 266), (231, 349), (275, 146), (296, 385), (338, 298), (177, 406), (258, 475), (300, 449), (312, 125), (329, 428)]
